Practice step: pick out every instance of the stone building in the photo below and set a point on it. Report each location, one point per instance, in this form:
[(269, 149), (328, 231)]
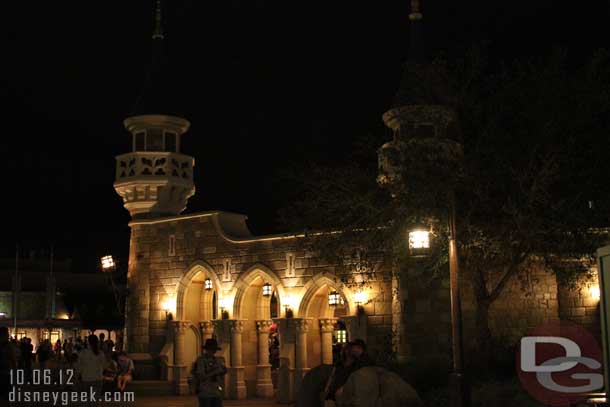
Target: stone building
[(194, 276)]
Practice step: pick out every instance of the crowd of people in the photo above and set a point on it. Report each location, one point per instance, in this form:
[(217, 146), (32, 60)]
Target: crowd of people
[(96, 362)]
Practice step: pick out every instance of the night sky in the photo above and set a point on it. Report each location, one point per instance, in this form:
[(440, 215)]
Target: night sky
[(266, 84)]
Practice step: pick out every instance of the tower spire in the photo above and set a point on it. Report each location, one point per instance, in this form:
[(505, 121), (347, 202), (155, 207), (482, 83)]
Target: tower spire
[(416, 40), (158, 31)]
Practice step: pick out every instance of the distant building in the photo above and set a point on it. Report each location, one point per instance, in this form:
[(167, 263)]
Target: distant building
[(38, 297)]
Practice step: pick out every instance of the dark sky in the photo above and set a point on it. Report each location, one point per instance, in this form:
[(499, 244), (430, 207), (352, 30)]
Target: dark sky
[(265, 84)]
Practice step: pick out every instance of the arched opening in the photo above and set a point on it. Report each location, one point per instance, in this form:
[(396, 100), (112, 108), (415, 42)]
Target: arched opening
[(199, 302), (317, 305), (258, 294), (196, 301)]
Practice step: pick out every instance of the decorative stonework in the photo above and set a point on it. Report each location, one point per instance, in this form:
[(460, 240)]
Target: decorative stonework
[(263, 326), (302, 325), (154, 164), (227, 268), (180, 327), (207, 328), (290, 265), (327, 325), (157, 183), (237, 326)]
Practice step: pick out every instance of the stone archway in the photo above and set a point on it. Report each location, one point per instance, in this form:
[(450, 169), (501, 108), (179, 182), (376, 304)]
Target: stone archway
[(254, 310), (315, 307), (191, 284), (245, 296), (195, 304)]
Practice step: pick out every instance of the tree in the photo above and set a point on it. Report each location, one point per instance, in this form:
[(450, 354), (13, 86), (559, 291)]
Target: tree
[(531, 187)]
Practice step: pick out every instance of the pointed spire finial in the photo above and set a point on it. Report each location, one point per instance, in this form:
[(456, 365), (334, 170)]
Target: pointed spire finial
[(158, 32), (416, 43), (415, 12)]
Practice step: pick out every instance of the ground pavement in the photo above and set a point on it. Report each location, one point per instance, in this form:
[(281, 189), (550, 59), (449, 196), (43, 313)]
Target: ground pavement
[(176, 401)]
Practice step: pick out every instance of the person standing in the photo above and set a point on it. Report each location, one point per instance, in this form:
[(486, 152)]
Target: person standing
[(209, 371), (43, 353), (8, 361), (90, 366)]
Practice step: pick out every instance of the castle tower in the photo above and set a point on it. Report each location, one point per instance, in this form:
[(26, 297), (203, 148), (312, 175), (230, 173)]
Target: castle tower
[(155, 179), (421, 119), (422, 107)]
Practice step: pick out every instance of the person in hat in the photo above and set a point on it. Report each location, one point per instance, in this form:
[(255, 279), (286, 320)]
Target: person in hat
[(209, 371)]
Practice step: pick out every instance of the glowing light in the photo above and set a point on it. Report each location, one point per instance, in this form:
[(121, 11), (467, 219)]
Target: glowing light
[(267, 290), (63, 316), (169, 305), (334, 299), (107, 263), (419, 239), (359, 297), (208, 284), (2, 314), (594, 292)]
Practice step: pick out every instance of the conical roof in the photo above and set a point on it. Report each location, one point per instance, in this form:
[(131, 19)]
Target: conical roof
[(159, 91), (423, 82)]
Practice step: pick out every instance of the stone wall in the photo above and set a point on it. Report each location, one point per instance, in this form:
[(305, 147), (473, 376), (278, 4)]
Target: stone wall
[(162, 253)]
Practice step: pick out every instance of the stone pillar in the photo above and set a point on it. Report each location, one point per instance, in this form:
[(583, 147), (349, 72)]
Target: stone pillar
[(180, 367), (301, 329), (327, 327), (222, 331), (207, 330), (264, 385), (285, 378), (237, 384)]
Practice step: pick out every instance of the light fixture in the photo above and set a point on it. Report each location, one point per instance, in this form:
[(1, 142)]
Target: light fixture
[(267, 290), (108, 263), (334, 299), (222, 304), (169, 306), (359, 297), (594, 292), (419, 241), (287, 302), (2, 314), (207, 284)]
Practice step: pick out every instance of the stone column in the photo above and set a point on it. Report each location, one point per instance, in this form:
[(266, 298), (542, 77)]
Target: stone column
[(327, 327), (222, 331), (264, 385), (285, 377), (180, 367), (301, 329), (237, 384), (207, 330)]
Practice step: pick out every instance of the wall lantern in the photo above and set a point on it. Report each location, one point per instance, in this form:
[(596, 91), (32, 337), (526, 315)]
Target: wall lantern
[(169, 306), (288, 306), (267, 291), (207, 284), (334, 299), (108, 263), (594, 292), (222, 304), (419, 241)]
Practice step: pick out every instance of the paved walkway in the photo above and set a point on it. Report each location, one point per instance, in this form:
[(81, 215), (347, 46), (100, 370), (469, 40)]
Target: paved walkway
[(175, 401)]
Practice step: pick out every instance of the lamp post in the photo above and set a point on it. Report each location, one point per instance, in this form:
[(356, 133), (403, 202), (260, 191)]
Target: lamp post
[(419, 243), (109, 266)]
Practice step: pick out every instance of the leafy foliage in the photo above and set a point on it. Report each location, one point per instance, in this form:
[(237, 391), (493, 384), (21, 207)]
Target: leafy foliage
[(531, 187)]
